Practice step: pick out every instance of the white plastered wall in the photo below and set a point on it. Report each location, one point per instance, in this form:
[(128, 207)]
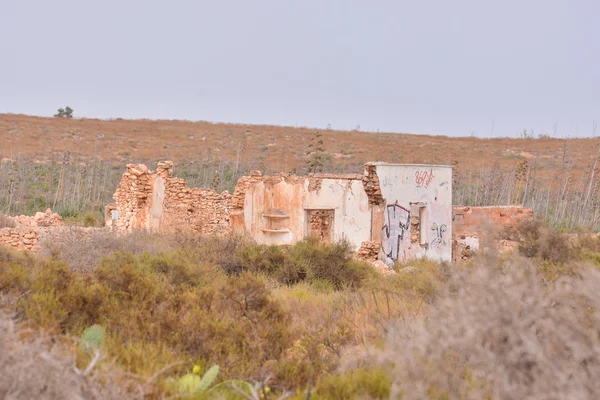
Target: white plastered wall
[(407, 189)]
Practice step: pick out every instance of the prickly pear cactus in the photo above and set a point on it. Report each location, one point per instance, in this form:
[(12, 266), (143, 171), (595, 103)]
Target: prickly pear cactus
[(93, 338), (192, 383)]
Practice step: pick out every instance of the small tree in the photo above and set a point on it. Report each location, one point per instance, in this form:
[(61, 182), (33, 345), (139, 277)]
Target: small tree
[(66, 112)]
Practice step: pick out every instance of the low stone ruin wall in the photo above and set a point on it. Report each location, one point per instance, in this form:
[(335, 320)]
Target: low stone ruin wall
[(20, 238), (475, 220), (471, 223), (369, 251), (25, 234)]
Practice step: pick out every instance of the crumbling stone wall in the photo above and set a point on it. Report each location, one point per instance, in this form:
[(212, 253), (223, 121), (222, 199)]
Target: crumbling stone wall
[(158, 202), (44, 219), (202, 211), (24, 238), (474, 220), (371, 184), (369, 251), (25, 235), (132, 199), (470, 223)]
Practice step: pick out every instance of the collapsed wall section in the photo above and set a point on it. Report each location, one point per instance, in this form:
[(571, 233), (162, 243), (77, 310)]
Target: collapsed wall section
[(202, 211), (26, 232), (158, 202), (475, 220), (132, 200), (471, 223)]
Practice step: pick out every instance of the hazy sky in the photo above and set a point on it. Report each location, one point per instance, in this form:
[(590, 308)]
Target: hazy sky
[(442, 67)]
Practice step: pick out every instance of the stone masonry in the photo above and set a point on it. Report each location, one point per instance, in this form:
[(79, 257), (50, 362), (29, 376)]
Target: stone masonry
[(27, 231), (471, 223), (158, 202)]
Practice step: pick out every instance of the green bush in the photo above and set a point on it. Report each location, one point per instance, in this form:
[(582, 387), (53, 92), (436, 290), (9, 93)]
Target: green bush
[(190, 310), (308, 260), (89, 220)]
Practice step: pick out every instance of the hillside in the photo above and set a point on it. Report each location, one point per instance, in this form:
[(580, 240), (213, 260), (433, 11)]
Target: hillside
[(74, 165), (279, 148)]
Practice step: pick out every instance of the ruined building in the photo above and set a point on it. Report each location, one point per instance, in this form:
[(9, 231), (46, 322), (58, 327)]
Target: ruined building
[(391, 212)]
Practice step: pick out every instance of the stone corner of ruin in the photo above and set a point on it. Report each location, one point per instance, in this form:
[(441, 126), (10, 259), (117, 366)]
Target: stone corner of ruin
[(370, 182)]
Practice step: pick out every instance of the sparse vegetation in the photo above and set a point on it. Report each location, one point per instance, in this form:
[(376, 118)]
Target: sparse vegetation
[(501, 334), (6, 222), (559, 183), (142, 310), (309, 319)]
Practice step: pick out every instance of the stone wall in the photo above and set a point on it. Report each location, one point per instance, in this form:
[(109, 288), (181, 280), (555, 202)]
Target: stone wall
[(283, 209), (475, 220), (22, 238), (24, 234), (202, 211), (471, 223), (44, 219), (132, 200), (158, 202), (369, 251)]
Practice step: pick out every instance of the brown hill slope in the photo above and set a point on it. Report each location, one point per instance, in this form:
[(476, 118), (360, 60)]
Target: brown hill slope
[(278, 148)]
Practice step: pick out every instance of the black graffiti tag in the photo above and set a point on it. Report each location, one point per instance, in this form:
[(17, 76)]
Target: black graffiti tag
[(397, 224)]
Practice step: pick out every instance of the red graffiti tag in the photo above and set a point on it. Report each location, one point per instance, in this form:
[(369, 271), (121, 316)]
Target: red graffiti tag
[(423, 178)]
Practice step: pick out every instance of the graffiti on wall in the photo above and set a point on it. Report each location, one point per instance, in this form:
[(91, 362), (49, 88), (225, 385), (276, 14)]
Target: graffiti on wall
[(440, 232), (395, 230), (424, 178)]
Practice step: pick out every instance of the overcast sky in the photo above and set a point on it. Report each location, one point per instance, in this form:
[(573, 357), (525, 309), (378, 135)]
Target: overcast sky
[(461, 67)]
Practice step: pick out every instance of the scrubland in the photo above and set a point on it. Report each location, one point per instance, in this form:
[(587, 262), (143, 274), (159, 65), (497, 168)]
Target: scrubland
[(73, 166), (305, 321)]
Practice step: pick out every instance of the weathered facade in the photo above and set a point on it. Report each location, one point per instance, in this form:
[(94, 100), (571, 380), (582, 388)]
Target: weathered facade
[(392, 212), (417, 211), (284, 209)]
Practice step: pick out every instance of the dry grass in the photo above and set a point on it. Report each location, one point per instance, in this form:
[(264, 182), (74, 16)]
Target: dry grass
[(38, 366), (504, 328), (7, 222), (133, 140), (83, 253)]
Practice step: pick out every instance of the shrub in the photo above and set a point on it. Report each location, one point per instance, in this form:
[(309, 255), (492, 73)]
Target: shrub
[(156, 308), (539, 240), (38, 366), (7, 222), (308, 260), (84, 253), (501, 333), (89, 220)]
